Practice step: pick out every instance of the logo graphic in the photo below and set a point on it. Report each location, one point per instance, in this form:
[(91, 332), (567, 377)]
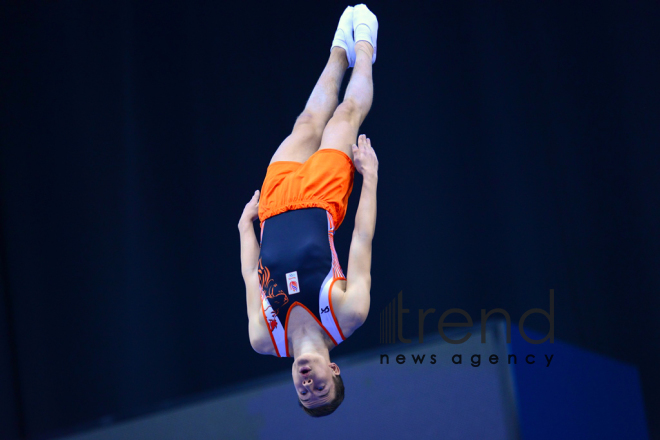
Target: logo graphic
[(272, 323), (326, 309), (276, 300), (292, 283), (391, 322)]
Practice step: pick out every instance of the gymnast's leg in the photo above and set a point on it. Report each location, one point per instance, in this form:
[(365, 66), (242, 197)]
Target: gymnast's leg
[(305, 138), (342, 129)]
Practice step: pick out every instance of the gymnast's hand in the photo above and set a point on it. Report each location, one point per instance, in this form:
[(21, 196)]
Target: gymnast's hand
[(364, 157), (251, 211)]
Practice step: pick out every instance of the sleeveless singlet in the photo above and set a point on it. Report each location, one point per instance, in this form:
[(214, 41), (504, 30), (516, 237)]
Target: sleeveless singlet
[(298, 266)]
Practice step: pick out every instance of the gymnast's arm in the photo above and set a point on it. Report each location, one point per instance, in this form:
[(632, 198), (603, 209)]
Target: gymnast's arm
[(249, 261), (357, 298)]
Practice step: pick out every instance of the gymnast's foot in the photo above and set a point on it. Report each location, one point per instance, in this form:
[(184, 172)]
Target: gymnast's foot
[(365, 26), (344, 35)]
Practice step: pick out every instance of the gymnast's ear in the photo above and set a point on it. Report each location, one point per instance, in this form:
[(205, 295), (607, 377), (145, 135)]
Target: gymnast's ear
[(335, 368)]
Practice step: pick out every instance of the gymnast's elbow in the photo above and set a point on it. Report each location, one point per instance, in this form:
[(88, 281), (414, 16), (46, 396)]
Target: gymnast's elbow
[(257, 340), (359, 316), (364, 232), (258, 346)]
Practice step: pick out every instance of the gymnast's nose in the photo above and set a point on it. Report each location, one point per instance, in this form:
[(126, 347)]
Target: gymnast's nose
[(307, 382)]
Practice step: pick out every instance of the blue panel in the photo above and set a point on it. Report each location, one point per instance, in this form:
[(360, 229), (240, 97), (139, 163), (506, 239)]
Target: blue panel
[(579, 395)]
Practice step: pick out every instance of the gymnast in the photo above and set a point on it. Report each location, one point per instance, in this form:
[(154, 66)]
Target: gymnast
[(301, 204)]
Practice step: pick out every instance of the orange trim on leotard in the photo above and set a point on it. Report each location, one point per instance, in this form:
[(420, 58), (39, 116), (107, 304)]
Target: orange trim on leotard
[(269, 331), (332, 310), (286, 322)]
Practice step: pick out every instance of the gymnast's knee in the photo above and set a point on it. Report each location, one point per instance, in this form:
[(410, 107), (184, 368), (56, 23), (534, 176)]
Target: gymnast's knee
[(348, 111), (309, 124)]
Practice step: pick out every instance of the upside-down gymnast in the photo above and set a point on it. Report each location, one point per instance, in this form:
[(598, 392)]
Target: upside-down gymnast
[(302, 202)]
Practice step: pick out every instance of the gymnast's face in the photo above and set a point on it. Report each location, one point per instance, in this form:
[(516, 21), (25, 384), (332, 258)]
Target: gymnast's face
[(313, 379)]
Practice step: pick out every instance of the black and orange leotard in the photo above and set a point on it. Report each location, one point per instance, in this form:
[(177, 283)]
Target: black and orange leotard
[(297, 267)]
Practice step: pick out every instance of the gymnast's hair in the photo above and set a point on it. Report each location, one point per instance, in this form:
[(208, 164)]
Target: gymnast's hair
[(331, 406)]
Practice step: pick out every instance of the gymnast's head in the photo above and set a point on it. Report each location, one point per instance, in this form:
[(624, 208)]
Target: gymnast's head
[(318, 384)]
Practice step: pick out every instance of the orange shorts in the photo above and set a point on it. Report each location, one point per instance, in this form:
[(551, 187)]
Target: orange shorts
[(325, 181)]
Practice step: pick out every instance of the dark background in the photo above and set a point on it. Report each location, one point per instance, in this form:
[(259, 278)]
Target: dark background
[(518, 149)]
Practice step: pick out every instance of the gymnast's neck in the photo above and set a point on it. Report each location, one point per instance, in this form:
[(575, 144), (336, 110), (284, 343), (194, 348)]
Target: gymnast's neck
[(307, 340)]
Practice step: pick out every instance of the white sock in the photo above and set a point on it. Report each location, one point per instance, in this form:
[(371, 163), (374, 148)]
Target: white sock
[(363, 33), (344, 35), (365, 25)]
